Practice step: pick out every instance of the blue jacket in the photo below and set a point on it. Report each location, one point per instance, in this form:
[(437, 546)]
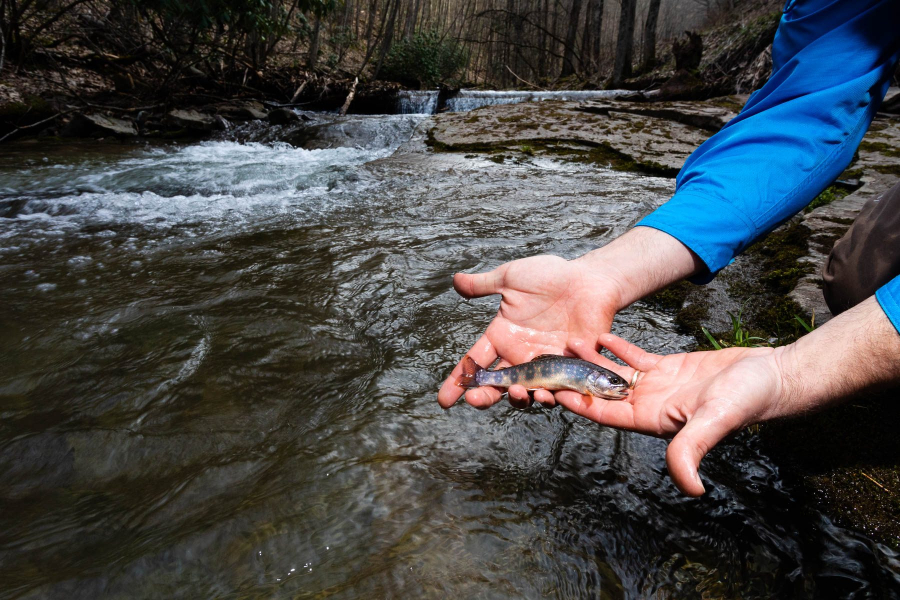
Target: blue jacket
[(832, 63)]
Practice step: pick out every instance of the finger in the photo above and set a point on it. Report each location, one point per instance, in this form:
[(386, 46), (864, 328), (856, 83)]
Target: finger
[(589, 353), (518, 393), (545, 398), (476, 285), (521, 402), (484, 354), (635, 357), (702, 432), (614, 413), (485, 397)]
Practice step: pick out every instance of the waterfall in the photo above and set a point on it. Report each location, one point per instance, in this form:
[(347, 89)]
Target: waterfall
[(426, 102), (410, 102)]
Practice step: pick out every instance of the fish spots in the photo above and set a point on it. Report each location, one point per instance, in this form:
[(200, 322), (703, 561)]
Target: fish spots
[(514, 376)]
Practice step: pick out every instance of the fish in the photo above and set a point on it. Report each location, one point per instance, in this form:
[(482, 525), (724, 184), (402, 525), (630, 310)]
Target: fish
[(548, 372)]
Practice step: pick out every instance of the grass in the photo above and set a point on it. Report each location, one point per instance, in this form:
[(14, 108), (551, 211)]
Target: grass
[(740, 336)]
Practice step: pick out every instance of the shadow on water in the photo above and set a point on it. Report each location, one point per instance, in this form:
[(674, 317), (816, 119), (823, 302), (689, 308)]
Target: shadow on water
[(220, 367)]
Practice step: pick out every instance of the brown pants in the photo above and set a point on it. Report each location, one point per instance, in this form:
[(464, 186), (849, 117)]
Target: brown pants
[(867, 257)]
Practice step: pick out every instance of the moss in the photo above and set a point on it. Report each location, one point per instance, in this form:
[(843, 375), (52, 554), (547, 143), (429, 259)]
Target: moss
[(726, 102), (601, 154), (30, 106), (888, 169), (881, 148), (829, 195), (689, 302)]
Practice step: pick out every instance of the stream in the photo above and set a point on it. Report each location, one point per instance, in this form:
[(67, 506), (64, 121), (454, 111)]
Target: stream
[(220, 366)]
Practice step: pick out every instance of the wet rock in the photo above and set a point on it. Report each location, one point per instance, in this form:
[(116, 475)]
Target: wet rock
[(93, 125), (712, 115), (242, 110), (891, 104), (336, 132), (878, 169), (683, 85), (192, 120), (640, 141), (283, 116)]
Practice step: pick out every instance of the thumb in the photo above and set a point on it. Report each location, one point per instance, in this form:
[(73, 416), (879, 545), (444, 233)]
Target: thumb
[(703, 431), (476, 285)]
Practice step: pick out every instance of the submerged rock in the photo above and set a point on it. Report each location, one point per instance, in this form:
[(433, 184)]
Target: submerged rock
[(283, 116)]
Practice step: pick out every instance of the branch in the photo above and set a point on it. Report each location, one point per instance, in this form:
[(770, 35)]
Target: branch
[(41, 122), (522, 80)]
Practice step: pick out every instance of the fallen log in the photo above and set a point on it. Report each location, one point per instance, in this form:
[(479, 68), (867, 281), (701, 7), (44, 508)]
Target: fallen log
[(349, 97)]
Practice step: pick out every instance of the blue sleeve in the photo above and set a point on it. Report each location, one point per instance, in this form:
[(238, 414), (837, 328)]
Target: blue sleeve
[(832, 63), (888, 297)]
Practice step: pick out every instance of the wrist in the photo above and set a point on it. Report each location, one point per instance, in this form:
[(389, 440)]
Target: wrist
[(640, 262)]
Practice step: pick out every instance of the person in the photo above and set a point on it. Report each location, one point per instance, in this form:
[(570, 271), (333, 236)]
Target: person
[(832, 65)]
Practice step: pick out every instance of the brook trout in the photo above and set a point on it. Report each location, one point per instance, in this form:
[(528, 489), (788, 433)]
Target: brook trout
[(549, 372)]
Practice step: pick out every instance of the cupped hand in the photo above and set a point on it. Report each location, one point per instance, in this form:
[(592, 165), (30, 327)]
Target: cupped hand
[(546, 301), (697, 397)]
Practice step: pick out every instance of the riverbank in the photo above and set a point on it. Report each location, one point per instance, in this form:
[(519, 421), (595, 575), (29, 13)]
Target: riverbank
[(845, 459)]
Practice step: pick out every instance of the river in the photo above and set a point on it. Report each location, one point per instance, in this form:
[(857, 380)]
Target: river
[(220, 366)]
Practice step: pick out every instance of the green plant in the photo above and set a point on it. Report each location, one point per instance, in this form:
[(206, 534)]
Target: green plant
[(807, 326), (740, 337), (426, 58)]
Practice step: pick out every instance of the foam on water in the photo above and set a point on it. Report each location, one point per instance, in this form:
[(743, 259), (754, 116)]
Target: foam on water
[(213, 182)]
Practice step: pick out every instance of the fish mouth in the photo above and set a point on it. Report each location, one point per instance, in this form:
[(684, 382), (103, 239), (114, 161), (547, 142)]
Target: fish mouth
[(614, 394)]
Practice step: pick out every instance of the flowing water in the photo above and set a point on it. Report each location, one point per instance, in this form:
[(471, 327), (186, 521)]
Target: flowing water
[(219, 369), (427, 101)]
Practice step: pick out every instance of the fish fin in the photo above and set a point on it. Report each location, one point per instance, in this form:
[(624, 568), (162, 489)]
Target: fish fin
[(470, 369), (546, 357)]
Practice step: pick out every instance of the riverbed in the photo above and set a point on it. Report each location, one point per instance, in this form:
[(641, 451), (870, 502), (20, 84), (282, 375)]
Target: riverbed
[(220, 366)]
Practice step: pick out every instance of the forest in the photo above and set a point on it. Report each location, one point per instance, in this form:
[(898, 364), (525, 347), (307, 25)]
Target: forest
[(149, 45)]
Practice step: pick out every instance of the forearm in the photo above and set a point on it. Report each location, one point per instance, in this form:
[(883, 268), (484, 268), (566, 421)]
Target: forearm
[(643, 261), (857, 350)]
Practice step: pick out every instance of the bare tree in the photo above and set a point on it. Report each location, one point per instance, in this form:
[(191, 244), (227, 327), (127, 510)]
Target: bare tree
[(624, 43), (568, 67), (648, 56)]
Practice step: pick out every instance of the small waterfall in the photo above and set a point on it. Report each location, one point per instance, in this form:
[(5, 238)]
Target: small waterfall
[(472, 99), (410, 102), (426, 102)]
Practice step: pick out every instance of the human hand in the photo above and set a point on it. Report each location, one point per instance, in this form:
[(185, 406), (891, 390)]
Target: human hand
[(697, 397), (546, 301)]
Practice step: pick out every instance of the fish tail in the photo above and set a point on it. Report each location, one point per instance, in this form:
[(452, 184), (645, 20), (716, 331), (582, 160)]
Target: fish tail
[(470, 369)]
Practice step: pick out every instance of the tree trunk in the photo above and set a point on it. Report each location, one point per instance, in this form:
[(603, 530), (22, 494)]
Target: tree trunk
[(648, 57), (587, 38), (597, 27), (624, 43), (314, 45), (568, 67), (388, 38)]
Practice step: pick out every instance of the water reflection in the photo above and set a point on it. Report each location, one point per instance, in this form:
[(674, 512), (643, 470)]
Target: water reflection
[(229, 391)]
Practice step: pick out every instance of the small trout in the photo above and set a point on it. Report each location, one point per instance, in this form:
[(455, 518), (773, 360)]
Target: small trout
[(549, 372)]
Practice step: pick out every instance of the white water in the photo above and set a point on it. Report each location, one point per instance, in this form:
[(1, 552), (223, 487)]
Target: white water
[(426, 102), (216, 183)]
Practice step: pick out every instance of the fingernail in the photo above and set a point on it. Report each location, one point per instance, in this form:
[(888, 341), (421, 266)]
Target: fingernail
[(699, 482)]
